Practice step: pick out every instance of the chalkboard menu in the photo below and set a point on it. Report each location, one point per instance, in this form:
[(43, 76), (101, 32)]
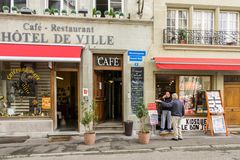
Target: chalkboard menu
[(137, 82)]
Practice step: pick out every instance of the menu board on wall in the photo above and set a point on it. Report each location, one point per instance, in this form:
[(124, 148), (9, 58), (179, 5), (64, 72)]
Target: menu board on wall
[(214, 102), (137, 82)]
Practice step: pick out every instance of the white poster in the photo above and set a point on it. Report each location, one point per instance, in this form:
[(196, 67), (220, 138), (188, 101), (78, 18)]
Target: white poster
[(218, 124)]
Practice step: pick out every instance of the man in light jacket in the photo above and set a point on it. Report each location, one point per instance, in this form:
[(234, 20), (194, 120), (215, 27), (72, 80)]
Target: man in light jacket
[(177, 112)]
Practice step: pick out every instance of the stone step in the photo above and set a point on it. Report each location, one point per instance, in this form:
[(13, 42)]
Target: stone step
[(109, 129), (105, 132), (57, 133)]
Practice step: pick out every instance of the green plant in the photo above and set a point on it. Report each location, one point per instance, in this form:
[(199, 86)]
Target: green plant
[(117, 13), (47, 10), (73, 12), (14, 8), (142, 115), (64, 11), (98, 12), (94, 11), (56, 11), (182, 34), (111, 13), (106, 13), (5, 8), (89, 117), (121, 14)]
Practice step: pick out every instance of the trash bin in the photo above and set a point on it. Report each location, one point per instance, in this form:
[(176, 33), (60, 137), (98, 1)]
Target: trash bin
[(128, 127)]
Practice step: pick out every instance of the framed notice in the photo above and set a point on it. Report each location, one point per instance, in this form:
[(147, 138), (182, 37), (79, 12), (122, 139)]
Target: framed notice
[(153, 115), (46, 103), (218, 124)]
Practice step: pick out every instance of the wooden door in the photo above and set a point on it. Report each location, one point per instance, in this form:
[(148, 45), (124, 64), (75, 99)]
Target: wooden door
[(99, 95), (232, 104)]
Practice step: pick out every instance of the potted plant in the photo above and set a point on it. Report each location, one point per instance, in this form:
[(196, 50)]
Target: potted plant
[(47, 11), (111, 13), (56, 12), (182, 36), (14, 9), (73, 12), (5, 9), (64, 12), (106, 14), (98, 13), (117, 14), (88, 120), (121, 15), (142, 115), (94, 12)]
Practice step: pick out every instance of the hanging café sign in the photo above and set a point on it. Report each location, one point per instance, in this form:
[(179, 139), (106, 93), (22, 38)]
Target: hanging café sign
[(60, 34)]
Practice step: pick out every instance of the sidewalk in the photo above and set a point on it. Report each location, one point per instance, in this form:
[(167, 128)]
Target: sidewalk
[(109, 144)]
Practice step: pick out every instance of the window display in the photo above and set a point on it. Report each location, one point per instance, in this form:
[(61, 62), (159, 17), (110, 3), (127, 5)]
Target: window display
[(192, 93), (22, 87)]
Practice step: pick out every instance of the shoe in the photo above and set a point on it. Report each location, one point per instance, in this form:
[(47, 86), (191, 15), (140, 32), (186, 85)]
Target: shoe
[(180, 139), (161, 130), (170, 131), (174, 139)]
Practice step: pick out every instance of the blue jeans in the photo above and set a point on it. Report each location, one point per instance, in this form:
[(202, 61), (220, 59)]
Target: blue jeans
[(166, 115)]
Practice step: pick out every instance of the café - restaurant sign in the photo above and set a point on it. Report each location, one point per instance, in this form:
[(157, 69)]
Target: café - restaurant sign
[(37, 32)]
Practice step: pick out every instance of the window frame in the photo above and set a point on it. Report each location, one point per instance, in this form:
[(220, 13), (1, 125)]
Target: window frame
[(61, 5), (177, 17), (109, 5), (228, 15), (203, 19), (12, 2)]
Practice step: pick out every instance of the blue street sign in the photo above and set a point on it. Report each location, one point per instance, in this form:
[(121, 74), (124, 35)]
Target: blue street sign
[(135, 58), (136, 53)]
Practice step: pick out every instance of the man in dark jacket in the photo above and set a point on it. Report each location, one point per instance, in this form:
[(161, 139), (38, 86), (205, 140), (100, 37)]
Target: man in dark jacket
[(177, 112), (166, 113)]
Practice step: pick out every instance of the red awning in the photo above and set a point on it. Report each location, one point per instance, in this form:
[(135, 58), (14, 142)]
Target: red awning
[(170, 63), (40, 52)]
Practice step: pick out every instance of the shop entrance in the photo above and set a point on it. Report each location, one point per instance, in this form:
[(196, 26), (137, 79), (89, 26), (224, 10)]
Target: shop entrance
[(164, 83), (232, 104), (67, 106), (108, 95)]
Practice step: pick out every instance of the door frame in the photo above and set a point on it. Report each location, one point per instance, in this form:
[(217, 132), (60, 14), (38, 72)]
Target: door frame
[(102, 68), (54, 92)]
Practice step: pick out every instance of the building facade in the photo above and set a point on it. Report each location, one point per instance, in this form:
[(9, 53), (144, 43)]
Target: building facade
[(187, 48), (196, 48), (50, 64)]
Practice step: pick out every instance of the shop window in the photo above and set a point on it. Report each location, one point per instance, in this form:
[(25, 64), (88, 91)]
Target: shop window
[(25, 89), (104, 5), (68, 5), (192, 93)]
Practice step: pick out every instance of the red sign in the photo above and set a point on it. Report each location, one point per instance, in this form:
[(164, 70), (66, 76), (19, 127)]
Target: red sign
[(152, 106), (85, 91)]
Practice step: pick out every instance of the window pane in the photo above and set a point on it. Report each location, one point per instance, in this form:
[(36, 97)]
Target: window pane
[(191, 92), (24, 87), (102, 5), (20, 3), (4, 3), (116, 5), (69, 5), (54, 4)]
